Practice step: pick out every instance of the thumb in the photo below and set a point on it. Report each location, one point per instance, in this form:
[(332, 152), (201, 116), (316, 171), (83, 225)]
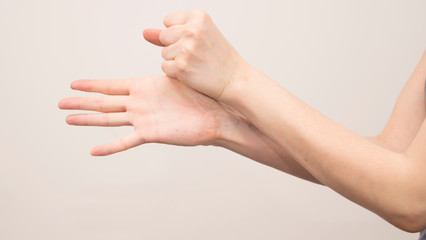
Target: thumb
[(153, 36)]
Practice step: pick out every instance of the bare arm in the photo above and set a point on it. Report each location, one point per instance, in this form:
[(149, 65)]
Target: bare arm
[(385, 178), (245, 139), (408, 113), (164, 110), (237, 134)]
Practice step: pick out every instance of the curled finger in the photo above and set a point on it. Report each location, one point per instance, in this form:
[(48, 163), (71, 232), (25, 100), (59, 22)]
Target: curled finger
[(170, 52), (171, 35), (169, 68)]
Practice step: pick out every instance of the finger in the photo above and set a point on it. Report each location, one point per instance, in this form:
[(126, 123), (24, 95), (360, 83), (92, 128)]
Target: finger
[(100, 104), (153, 36), (176, 18), (99, 119), (170, 52), (171, 35), (169, 68), (118, 145), (105, 86)]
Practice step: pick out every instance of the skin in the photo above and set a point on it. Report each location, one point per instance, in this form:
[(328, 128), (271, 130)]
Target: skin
[(164, 110), (203, 98), (385, 175)]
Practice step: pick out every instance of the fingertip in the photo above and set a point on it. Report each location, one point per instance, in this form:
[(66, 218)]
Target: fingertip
[(74, 84), (71, 120), (145, 33), (61, 104), (68, 120), (94, 152), (99, 151), (153, 36), (65, 103), (148, 31), (80, 84)]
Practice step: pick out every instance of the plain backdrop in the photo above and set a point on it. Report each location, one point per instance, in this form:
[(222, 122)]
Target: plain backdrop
[(348, 59)]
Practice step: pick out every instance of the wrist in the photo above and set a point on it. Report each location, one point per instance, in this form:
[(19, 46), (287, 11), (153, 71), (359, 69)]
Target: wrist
[(239, 77), (228, 131), (246, 85), (235, 132)]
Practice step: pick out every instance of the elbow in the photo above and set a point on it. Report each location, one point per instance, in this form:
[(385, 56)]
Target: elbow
[(409, 225), (410, 219), (406, 204)]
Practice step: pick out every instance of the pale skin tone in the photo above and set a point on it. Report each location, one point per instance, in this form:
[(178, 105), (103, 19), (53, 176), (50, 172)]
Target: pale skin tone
[(163, 110), (203, 100)]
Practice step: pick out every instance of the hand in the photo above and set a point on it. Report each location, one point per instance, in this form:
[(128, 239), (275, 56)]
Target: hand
[(160, 109), (164, 110), (196, 53)]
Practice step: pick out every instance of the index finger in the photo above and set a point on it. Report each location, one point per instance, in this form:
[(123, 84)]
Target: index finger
[(105, 86), (177, 18)]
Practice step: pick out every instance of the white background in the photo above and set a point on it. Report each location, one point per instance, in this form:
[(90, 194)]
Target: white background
[(348, 59)]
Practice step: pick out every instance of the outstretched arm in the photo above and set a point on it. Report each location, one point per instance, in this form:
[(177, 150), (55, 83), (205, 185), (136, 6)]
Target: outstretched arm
[(163, 110), (389, 182), (385, 179)]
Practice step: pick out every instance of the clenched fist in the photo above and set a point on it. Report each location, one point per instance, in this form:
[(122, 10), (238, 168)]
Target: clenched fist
[(196, 53)]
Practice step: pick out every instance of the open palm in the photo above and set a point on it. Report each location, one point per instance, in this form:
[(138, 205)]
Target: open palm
[(160, 109)]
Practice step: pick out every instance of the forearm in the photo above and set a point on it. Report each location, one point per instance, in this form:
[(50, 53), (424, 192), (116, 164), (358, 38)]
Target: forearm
[(241, 137), (364, 172), (197, 54)]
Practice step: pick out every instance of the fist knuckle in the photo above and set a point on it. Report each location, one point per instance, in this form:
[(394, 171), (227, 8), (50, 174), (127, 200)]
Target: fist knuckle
[(167, 19), (194, 32), (200, 14), (182, 66), (187, 49), (191, 31)]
